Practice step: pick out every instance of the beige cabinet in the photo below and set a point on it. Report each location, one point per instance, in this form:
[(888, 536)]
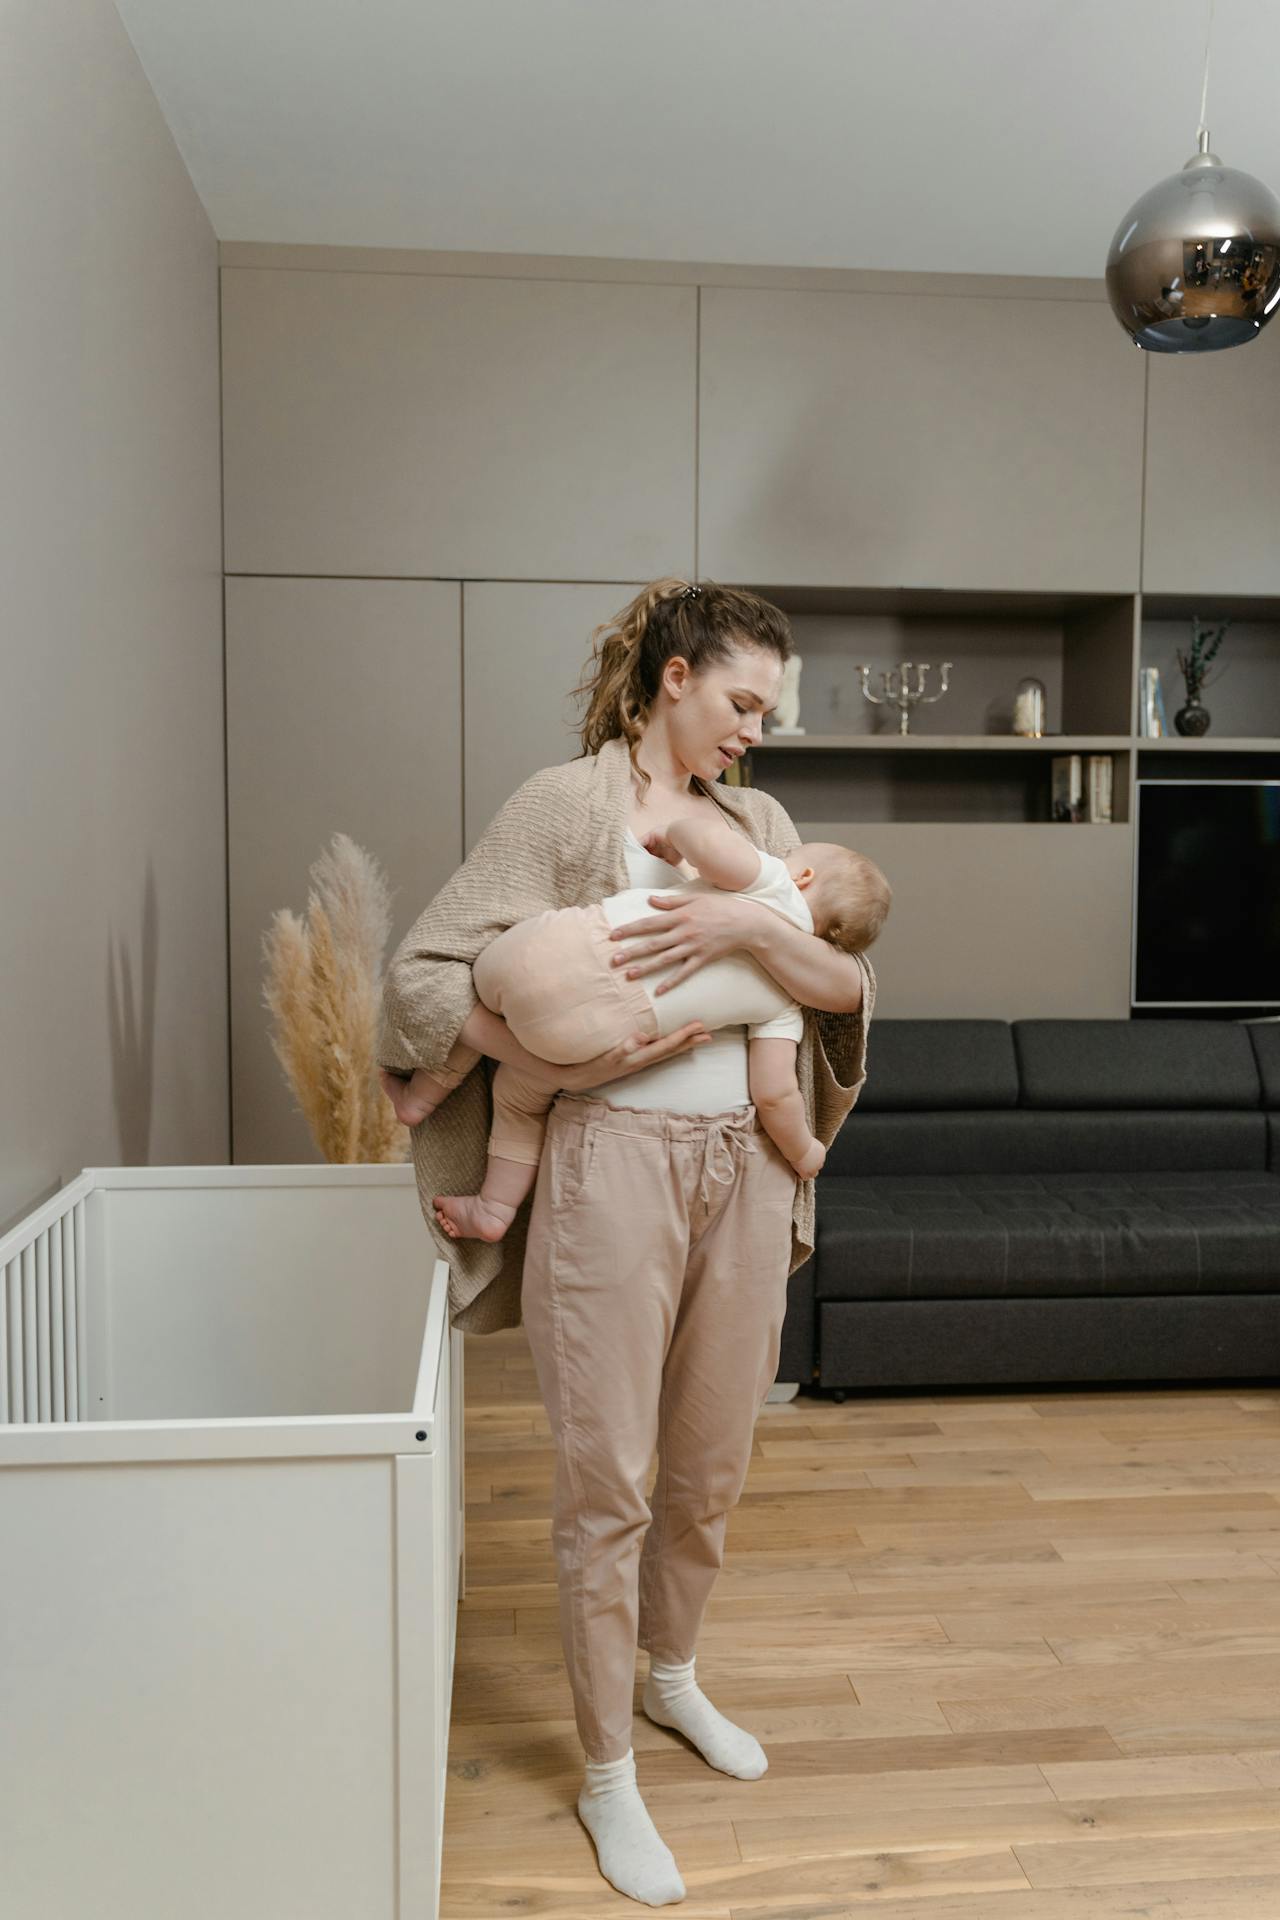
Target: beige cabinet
[(1213, 471), (998, 921), (425, 424), (526, 647), (869, 439), (344, 715)]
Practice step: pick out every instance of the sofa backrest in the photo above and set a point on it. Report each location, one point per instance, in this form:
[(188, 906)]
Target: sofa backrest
[(924, 1065), (1135, 1063), (1023, 1096)]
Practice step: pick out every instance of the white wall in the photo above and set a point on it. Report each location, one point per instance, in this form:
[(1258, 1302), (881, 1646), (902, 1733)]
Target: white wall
[(113, 1006)]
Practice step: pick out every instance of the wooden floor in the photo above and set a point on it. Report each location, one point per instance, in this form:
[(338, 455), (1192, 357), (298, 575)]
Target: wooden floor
[(1012, 1657)]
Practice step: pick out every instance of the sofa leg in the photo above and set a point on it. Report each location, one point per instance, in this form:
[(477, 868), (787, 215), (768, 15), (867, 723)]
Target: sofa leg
[(783, 1390)]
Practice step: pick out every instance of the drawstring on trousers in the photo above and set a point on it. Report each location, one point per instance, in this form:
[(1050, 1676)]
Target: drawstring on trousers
[(718, 1139)]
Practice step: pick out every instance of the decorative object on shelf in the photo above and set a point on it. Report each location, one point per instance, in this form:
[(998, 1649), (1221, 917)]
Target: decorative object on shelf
[(787, 716), (324, 991), (1193, 719), (1194, 266), (1029, 707), (1066, 794), (1152, 722), (896, 693), (1099, 782)]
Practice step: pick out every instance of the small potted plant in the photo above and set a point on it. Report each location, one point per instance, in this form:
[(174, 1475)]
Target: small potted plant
[(1193, 718)]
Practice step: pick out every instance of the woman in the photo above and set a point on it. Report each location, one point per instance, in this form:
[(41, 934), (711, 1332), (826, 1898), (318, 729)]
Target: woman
[(650, 1264)]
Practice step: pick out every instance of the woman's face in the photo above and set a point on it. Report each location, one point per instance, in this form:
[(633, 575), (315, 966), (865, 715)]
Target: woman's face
[(717, 713)]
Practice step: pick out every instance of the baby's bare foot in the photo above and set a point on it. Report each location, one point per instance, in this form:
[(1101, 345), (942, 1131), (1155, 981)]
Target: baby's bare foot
[(466, 1216)]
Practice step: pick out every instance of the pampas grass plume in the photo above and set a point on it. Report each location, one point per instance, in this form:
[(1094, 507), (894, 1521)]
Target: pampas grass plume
[(323, 990)]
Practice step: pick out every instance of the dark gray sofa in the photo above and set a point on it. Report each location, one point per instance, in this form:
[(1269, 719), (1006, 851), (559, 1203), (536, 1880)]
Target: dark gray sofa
[(1042, 1201)]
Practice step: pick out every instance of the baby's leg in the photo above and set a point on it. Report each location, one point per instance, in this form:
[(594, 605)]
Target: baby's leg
[(520, 1107), (424, 1091), (776, 1095)]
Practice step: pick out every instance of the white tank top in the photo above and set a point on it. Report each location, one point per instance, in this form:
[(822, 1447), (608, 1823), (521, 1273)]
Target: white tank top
[(711, 1078)]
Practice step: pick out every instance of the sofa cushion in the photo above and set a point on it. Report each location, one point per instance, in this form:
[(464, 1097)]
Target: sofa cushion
[(915, 1065), (1023, 1141), (1135, 1063), (1006, 1234)]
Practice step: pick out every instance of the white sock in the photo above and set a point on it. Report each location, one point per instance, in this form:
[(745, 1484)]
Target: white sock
[(632, 1854), (673, 1699)]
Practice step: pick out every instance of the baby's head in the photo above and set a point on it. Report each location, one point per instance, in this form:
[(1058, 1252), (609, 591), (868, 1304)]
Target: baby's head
[(845, 892)]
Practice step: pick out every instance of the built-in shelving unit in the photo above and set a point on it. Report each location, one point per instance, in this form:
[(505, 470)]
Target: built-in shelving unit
[(938, 806)]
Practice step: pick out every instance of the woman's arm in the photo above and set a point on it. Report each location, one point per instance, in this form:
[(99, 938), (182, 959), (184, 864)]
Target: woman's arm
[(693, 928), (812, 972)]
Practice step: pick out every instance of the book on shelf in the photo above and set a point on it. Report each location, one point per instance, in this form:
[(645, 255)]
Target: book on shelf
[(1098, 803), (1067, 789), (1151, 714), (1081, 787)]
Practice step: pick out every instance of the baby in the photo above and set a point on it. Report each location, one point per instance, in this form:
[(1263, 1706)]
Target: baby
[(552, 978)]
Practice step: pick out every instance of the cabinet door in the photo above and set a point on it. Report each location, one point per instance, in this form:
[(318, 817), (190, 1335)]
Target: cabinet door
[(1213, 471), (344, 711), (1005, 921), (865, 439), (416, 424), (525, 647)]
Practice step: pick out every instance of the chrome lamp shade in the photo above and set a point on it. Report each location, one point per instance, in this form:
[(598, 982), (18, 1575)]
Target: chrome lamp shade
[(1195, 263)]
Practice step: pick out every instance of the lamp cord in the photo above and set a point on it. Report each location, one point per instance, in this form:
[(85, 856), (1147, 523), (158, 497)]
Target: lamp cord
[(1204, 91)]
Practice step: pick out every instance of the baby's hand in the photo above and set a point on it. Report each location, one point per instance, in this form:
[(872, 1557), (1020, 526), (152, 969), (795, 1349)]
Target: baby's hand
[(661, 848), (812, 1162)]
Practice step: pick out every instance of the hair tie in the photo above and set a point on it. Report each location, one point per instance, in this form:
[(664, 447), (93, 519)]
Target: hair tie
[(690, 593)]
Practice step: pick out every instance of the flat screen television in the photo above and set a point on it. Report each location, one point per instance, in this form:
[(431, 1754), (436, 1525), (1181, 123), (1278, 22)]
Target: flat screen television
[(1206, 921)]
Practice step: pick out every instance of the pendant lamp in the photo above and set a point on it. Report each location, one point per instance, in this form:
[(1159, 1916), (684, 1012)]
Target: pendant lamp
[(1194, 266)]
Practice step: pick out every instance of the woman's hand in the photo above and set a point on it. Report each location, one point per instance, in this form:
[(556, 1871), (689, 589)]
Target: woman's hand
[(692, 928), (629, 1056)]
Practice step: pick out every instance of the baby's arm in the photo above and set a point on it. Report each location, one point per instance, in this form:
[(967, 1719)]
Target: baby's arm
[(775, 1092), (722, 857)]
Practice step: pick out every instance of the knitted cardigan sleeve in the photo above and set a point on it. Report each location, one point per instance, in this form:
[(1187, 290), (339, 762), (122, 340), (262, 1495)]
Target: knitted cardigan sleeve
[(510, 873), (838, 1063)]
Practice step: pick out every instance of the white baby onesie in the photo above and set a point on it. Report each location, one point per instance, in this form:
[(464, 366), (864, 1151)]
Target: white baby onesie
[(735, 988)]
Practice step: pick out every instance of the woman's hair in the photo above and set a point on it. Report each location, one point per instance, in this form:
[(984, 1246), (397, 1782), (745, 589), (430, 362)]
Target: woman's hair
[(629, 652)]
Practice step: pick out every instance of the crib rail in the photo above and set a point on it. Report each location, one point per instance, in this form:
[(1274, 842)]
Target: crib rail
[(43, 1345)]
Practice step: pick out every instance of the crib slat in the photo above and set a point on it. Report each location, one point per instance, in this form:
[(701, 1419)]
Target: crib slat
[(80, 1363), (44, 1357), (27, 1325), (43, 1353), (70, 1316), (5, 1272), (58, 1408)]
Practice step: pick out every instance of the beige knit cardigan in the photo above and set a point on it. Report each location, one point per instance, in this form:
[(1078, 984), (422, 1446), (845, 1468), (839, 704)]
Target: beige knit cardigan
[(559, 842)]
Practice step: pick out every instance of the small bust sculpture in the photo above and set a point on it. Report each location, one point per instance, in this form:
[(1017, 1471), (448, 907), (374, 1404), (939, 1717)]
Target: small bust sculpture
[(788, 709)]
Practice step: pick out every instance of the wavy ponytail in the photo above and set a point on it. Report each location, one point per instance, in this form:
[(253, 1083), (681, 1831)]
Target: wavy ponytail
[(629, 652)]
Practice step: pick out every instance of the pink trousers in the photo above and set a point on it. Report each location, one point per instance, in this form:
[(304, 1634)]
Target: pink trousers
[(654, 1291), (551, 979)]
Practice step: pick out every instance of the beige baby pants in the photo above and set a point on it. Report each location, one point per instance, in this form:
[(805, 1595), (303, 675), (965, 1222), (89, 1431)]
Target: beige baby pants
[(551, 979), (653, 1295)]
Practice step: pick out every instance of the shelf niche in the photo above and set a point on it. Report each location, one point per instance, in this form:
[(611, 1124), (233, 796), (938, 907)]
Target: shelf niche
[(1079, 645), (961, 761), (1243, 691)]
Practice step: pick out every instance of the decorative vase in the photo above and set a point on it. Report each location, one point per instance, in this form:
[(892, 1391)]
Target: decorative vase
[(1029, 707), (1193, 719)]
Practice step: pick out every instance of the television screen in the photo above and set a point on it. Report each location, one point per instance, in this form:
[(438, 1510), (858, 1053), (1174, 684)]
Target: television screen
[(1207, 909)]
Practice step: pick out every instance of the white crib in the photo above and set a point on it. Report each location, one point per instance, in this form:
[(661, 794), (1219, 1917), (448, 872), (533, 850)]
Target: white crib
[(231, 1537)]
